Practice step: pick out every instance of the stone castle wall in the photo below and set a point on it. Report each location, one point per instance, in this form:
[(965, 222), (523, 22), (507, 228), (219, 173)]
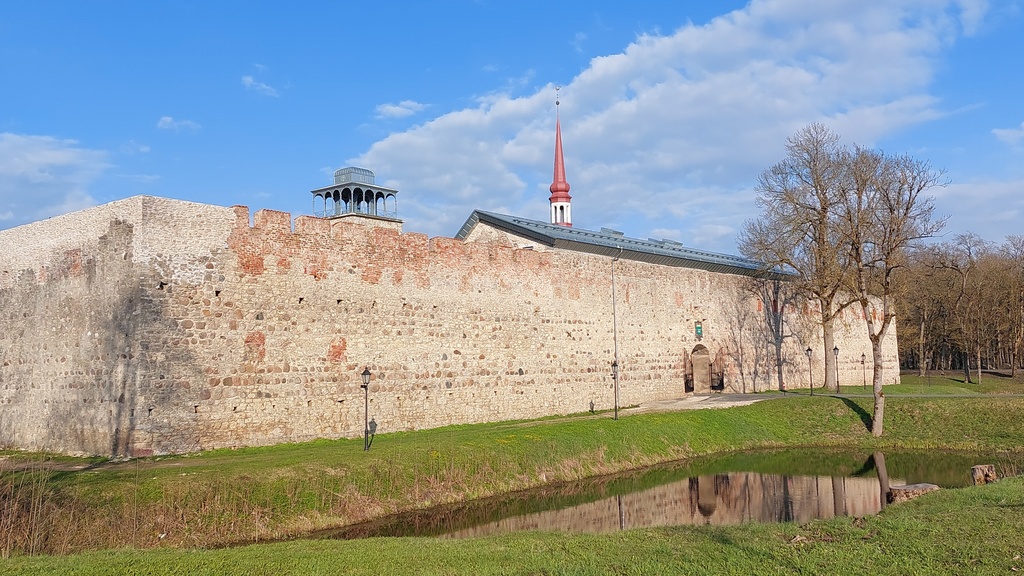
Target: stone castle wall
[(154, 326)]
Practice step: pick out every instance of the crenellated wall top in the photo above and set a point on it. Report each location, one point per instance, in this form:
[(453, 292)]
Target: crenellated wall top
[(171, 233)]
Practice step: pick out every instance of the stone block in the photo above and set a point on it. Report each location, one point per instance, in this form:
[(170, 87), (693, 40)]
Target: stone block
[(983, 474), (899, 494)]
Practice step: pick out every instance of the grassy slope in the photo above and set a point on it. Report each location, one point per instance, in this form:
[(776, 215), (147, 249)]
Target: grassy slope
[(253, 494), (977, 531)]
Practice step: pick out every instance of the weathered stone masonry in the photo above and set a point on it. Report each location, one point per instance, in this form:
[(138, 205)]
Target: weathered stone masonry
[(150, 326)]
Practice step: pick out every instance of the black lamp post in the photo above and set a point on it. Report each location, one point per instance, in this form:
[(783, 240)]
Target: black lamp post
[(864, 372), (366, 408), (835, 351), (615, 380), (810, 370)]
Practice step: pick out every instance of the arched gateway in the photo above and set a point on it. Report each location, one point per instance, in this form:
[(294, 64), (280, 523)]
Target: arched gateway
[(700, 361)]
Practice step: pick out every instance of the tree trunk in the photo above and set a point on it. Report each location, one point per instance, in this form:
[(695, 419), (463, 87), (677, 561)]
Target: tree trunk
[(920, 351), (838, 496), (878, 415), (979, 364), (879, 412), (1015, 350), (883, 477), (831, 382)]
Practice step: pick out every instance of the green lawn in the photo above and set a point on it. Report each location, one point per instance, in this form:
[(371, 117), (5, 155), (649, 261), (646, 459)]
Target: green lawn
[(178, 504), (975, 531), (944, 383)]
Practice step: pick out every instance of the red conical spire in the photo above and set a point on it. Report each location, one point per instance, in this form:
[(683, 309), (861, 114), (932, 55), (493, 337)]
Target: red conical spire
[(559, 188), (560, 199)]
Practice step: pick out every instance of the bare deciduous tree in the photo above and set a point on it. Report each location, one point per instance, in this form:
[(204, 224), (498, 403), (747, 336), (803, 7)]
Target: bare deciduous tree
[(798, 229), (843, 219), (883, 211), (960, 259), (1014, 251)]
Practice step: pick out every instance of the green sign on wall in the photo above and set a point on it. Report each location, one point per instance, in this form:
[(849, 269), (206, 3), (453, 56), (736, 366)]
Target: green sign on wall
[(699, 330)]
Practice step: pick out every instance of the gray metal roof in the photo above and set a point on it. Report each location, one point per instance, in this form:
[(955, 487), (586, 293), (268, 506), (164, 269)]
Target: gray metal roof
[(615, 244)]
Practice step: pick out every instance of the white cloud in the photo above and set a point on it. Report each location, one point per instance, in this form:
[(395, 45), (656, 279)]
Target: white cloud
[(1011, 136), (972, 12), (250, 83), (400, 110), (578, 41), (43, 176), (1005, 212), (140, 178), (666, 234), (169, 123), (702, 111), (133, 147)]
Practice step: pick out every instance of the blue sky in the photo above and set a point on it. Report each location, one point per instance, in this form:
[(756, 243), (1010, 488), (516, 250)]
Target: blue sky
[(669, 109)]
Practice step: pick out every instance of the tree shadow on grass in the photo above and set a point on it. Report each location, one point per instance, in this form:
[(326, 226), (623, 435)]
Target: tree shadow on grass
[(865, 418)]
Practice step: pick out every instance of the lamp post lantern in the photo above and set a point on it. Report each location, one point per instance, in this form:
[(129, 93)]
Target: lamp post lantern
[(835, 352), (863, 372), (810, 369), (615, 380), (366, 408)]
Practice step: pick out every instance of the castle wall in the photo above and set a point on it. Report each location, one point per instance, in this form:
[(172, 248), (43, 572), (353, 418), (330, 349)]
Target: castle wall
[(78, 318), (153, 326)]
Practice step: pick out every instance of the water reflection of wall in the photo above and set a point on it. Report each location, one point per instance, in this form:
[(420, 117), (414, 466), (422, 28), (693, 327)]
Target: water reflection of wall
[(719, 499)]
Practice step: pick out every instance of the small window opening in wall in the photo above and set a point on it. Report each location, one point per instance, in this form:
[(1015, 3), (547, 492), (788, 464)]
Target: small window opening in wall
[(195, 408), (216, 292), (338, 301), (131, 413), (309, 403), (259, 315), (150, 412), (235, 409), (300, 300), (161, 285)]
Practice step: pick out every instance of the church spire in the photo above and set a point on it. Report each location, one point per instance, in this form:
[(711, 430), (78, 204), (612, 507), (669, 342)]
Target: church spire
[(561, 213)]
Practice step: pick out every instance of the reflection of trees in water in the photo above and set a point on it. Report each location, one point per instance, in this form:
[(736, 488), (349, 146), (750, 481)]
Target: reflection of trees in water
[(668, 497)]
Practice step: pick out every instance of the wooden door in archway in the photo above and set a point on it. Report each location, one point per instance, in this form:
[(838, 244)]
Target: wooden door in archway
[(700, 358)]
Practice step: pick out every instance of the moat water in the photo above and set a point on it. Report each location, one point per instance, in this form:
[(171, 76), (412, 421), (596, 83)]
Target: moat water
[(775, 486)]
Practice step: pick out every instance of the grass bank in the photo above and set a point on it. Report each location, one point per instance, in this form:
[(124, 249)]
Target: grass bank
[(252, 495), (965, 531)]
